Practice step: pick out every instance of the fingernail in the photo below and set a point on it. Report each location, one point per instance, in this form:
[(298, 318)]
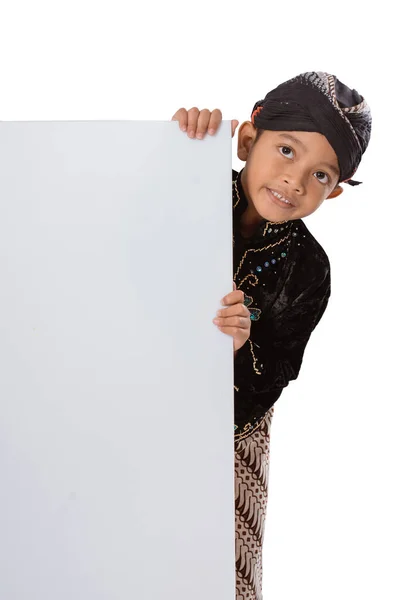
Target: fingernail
[(199, 136), (191, 133), (216, 321), (183, 127), (211, 131)]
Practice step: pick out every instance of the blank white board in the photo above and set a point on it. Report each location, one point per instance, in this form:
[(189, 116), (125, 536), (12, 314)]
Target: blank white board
[(116, 403)]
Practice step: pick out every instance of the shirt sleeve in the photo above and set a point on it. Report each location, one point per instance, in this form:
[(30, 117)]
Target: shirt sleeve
[(273, 355)]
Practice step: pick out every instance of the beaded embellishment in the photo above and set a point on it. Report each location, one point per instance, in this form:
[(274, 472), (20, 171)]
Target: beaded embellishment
[(254, 312)]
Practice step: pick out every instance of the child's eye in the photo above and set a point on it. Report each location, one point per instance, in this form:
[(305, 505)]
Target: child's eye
[(323, 175), (282, 150)]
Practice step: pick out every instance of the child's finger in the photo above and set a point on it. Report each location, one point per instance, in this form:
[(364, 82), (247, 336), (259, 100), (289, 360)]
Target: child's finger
[(235, 321), (236, 309), (215, 121), (202, 123), (234, 331), (236, 297), (193, 115), (181, 116), (234, 124)]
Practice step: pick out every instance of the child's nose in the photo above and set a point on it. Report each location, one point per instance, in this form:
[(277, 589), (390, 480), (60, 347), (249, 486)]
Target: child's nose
[(296, 183)]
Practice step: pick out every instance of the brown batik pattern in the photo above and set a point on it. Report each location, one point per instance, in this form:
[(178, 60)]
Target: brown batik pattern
[(251, 496)]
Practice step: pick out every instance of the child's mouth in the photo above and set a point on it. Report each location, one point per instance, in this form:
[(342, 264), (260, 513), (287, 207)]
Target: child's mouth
[(279, 199)]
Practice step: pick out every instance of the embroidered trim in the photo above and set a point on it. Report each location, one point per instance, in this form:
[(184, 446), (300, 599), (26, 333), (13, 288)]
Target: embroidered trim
[(247, 430), (272, 224), (254, 283), (254, 358), (237, 192)]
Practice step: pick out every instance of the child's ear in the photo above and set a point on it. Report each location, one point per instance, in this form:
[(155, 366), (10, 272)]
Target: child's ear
[(336, 192), (246, 135)]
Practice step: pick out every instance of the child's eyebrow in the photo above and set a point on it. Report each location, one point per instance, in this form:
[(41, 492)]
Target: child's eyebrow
[(330, 166), (295, 140), (291, 138)]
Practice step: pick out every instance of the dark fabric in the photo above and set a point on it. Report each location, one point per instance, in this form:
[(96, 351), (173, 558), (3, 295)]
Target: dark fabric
[(286, 300), (318, 101)]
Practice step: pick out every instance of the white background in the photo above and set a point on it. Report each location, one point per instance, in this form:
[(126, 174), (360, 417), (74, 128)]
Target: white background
[(332, 523)]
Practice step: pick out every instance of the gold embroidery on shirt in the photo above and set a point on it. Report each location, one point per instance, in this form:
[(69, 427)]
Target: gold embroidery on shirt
[(254, 358), (237, 192), (272, 224), (247, 430), (249, 276)]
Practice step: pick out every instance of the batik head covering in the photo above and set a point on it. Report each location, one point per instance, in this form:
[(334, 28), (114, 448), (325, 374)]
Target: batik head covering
[(318, 101)]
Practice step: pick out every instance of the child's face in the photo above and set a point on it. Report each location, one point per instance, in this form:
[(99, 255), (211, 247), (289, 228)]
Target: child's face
[(300, 165)]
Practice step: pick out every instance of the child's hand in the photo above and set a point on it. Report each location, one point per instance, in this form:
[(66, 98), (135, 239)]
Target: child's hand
[(197, 122), (235, 319)]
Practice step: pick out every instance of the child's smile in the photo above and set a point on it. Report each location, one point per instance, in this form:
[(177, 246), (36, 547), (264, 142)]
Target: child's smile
[(279, 199)]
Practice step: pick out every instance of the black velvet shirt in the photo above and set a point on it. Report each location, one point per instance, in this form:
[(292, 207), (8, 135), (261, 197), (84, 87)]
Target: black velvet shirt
[(285, 276)]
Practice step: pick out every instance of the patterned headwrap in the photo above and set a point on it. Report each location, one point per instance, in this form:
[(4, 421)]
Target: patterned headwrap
[(318, 101)]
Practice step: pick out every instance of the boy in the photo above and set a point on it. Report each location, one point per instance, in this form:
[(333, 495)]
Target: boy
[(305, 138)]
